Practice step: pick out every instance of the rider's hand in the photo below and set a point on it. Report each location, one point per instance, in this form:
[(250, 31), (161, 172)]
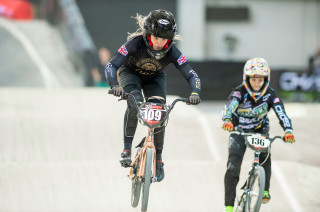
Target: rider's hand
[(288, 137), (227, 125), (194, 99), (117, 90)]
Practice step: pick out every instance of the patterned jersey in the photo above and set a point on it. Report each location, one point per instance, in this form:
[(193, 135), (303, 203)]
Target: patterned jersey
[(249, 115), (134, 55)]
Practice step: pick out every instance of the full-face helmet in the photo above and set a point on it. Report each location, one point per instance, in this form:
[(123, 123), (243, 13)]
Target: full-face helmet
[(256, 67), (159, 23)]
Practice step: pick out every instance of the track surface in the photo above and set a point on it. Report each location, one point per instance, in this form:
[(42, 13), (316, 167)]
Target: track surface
[(60, 150)]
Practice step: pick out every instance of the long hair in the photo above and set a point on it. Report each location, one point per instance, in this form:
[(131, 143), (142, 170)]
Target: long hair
[(140, 21)]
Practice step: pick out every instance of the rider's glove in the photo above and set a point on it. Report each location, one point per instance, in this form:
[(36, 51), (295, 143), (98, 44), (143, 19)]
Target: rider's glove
[(288, 137), (117, 90), (194, 99), (227, 125)]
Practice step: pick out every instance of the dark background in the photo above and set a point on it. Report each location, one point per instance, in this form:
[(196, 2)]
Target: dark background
[(109, 21)]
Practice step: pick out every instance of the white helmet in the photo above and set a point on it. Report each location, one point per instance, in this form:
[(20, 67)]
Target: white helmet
[(256, 67)]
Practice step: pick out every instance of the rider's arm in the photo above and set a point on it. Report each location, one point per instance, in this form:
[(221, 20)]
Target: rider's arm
[(278, 107), (118, 60), (231, 105), (182, 64)]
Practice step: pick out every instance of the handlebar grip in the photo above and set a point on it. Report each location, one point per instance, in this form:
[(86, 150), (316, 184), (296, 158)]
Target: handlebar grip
[(110, 92), (185, 100)]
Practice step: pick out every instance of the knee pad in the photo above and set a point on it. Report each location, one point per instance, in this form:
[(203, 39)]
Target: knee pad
[(137, 97), (234, 165), (233, 169), (237, 145), (130, 122)]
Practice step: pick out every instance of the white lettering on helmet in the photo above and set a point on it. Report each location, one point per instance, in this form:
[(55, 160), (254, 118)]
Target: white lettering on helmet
[(163, 21), (282, 116)]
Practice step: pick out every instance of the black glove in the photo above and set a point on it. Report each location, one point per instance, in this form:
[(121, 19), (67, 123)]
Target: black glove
[(194, 99), (117, 90)]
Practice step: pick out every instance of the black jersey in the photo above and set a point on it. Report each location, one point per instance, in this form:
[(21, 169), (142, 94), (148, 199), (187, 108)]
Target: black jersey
[(249, 115), (133, 54)]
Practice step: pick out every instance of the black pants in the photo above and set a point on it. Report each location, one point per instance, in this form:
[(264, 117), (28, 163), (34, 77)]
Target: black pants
[(237, 148), (133, 83)]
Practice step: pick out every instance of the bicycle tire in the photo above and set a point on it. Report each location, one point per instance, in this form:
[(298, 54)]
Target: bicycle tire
[(136, 186), (147, 180), (254, 197)]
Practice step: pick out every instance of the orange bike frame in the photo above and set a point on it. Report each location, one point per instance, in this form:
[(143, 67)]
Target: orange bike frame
[(148, 143)]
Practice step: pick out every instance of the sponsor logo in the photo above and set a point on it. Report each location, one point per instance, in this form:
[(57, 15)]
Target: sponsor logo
[(291, 81), (109, 65), (148, 66), (257, 112), (198, 83), (246, 105), (266, 97), (163, 21), (237, 94), (282, 116)]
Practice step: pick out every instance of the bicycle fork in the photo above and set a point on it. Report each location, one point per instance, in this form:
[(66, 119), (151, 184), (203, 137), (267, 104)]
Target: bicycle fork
[(141, 157), (246, 185)]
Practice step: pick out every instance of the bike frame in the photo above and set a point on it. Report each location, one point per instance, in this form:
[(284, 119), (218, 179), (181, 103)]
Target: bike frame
[(148, 143), (246, 185)]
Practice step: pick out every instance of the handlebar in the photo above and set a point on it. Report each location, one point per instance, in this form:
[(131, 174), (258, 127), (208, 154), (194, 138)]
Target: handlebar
[(125, 96), (239, 131)]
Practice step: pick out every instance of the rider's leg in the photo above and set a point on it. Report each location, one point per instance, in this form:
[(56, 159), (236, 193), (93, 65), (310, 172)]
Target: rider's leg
[(267, 169), (155, 91), (131, 83), (236, 151)]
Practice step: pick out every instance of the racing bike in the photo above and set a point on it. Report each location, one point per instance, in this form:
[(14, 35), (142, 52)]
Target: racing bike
[(143, 168), (251, 198)]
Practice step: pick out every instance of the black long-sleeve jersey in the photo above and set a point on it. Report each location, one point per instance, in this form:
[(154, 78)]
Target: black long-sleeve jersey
[(133, 54), (249, 115)]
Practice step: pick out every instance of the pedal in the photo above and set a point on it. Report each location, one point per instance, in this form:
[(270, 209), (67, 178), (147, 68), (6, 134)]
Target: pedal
[(126, 163)]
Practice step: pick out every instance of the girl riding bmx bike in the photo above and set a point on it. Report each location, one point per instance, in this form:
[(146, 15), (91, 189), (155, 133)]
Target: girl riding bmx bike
[(247, 108)]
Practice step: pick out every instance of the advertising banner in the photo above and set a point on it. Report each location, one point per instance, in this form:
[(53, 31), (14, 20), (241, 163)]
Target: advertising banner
[(16, 9)]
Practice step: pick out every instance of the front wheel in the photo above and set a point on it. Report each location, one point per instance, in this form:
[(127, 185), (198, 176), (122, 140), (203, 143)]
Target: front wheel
[(147, 180), (256, 188), (136, 184)]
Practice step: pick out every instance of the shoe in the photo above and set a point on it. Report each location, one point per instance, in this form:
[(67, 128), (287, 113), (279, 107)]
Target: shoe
[(159, 171), (228, 209), (266, 197), (125, 159)]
